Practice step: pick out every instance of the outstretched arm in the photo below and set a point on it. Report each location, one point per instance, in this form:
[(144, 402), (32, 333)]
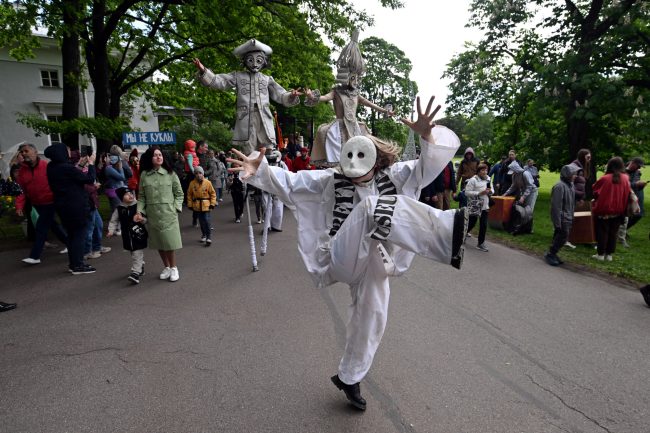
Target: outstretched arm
[(370, 104)]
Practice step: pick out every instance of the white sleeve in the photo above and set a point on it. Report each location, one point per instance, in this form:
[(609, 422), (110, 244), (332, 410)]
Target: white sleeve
[(287, 185), (114, 222), (412, 176), (470, 189)]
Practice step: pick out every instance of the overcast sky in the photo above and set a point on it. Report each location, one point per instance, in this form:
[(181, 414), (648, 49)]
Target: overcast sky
[(429, 32)]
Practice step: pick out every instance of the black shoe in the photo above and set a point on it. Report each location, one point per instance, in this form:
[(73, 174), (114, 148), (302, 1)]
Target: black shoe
[(83, 269), (645, 291), (273, 229), (461, 219), (208, 242), (134, 277), (6, 307), (352, 392), (552, 259)]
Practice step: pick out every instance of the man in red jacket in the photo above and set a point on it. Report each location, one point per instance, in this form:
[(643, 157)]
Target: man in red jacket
[(32, 178)]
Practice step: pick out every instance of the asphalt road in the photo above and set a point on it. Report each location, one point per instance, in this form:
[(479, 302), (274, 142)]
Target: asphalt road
[(508, 344)]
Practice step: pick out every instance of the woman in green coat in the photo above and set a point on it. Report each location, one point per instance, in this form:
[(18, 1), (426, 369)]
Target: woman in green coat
[(160, 200)]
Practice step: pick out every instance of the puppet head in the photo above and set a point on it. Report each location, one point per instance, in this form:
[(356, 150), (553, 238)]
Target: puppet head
[(254, 55), (350, 66)]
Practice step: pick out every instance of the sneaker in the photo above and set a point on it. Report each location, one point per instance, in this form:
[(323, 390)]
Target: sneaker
[(645, 292), (165, 273), (570, 245), (174, 274), (259, 221), (202, 239), (118, 233), (134, 277), (31, 261), (552, 259), (208, 242), (220, 199), (237, 220), (482, 247), (597, 257), (609, 258), (83, 269), (93, 255), (461, 219), (352, 392), (105, 250), (469, 235), (195, 225), (64, 251)]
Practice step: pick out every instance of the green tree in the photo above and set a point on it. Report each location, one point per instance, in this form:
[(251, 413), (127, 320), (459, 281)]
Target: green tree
[(555, 73), (125, 42)]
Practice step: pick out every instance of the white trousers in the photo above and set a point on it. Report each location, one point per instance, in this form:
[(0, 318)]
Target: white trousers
[(364, 262), (274, 212), (137, 261)]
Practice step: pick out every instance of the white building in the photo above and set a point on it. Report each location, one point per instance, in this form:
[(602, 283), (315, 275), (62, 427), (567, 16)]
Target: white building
[(35, 86)]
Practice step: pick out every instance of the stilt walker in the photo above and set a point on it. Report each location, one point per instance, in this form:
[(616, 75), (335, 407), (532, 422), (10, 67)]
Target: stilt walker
[(361, 222), (254, 125)]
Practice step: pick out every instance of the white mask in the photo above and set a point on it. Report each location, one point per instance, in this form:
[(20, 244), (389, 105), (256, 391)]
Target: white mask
[(358, 157)]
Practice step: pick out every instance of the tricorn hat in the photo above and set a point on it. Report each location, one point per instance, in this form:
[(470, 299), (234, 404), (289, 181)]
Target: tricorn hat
[(252, 45)]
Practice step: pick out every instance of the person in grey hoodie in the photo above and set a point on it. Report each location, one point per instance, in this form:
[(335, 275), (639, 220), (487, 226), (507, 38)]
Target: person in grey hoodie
[(563, 202), (523, 185)]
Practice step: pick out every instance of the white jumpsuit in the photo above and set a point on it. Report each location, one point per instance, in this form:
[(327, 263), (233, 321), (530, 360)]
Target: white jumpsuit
[(362, 234)]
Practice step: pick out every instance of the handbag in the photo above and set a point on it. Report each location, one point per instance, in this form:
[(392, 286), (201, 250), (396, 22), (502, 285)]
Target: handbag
[(475, 205), (633, 208)]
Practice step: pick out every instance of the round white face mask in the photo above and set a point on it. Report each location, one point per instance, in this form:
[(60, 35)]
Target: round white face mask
[(358, 157)]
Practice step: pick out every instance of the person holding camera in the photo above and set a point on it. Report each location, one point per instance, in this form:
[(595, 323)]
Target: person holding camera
[(478, 191), (117, 173)]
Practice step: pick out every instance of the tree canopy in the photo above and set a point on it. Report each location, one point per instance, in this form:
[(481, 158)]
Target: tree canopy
[(559, 76), (126, 42)]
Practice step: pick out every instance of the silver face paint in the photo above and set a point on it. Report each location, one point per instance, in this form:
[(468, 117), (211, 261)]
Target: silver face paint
[(358, 157)]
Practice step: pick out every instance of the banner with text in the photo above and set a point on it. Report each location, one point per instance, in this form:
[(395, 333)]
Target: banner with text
[(148, 138)]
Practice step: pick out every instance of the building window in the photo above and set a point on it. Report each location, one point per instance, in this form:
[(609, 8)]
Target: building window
[(55, 136), (50, 78)]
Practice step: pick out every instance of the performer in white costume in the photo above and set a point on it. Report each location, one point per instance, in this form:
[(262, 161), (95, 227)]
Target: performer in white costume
[(361, 222), (274, 208)]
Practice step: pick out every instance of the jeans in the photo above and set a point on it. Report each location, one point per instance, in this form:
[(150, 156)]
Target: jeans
[(482, 227), (43, 225), (560, 236), (94, 230), (204, 222)]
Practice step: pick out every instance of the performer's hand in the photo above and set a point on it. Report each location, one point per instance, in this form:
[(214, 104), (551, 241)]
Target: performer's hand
[(296, 92), (245, 165), (424, 123), (198, 65)]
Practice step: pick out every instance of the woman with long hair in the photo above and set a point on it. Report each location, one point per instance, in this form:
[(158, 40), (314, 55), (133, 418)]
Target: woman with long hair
[(611, 193), (160, 200)]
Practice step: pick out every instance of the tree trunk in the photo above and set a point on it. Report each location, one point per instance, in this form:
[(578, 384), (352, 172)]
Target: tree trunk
[(70, 57)]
